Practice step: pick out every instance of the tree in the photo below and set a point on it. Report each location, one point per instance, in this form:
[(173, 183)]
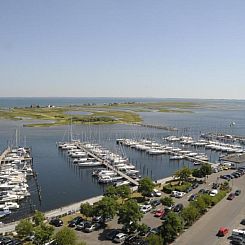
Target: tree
[(142, 228), (189, 214), (66, 236), (146, 186), (43, 233), (123, 191), (111, 191), (171, 228), (86, 209), (24, 228), (200, 205), (207, 199), (225, 186), (154, 239), (38, 217), (106, 207), (167, 201), (129, 214), (206, 169), (183, 174)]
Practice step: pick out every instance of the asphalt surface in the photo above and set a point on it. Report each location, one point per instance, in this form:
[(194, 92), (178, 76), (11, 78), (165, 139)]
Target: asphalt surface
[(226, 213)]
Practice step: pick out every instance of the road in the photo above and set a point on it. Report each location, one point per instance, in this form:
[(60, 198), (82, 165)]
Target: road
[(225, 213)]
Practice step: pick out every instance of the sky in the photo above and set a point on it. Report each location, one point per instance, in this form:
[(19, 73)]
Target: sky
[(122, 48)]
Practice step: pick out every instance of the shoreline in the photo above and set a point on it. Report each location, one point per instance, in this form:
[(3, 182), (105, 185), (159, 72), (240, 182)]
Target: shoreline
[(69, 209)]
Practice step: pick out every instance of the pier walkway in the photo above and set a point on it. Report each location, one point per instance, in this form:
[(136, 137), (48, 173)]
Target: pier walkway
[(107, 165), (3, 155)]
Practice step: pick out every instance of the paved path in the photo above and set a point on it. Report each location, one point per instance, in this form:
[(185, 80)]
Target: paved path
[(225, 213)]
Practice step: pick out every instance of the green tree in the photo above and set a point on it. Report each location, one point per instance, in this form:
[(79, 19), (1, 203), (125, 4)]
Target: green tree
[(189, 214), (207, 199), (38, 217), (86, 209), (129, 214), (154, 239), (206, 169), (167, 201), (200, 205), (43, 233), (183, 174), (225, 186), (66, 236), (106, 207), (111, 191), (171, 228), (142, 228), (146, 186), (24, 228), (123, 191)]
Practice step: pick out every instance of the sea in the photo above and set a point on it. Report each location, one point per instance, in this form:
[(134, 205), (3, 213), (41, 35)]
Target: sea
[(61, 182)]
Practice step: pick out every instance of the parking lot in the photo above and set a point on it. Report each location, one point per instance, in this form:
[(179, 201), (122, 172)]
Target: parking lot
[(232, 213)]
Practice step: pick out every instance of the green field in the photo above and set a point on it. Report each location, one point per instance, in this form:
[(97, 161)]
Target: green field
[(98, 114)]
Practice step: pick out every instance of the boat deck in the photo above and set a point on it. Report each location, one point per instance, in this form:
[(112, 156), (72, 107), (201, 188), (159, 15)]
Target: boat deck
[(107, 164)]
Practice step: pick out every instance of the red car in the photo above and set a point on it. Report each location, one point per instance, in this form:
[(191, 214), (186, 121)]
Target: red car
[(222, 231), (231, 196), (159, 213)]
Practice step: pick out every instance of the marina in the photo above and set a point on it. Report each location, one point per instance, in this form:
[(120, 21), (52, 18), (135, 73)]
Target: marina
[(59, 172), (15, 169)]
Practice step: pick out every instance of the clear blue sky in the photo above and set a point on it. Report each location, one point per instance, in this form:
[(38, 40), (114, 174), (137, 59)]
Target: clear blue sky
[(126, 48)]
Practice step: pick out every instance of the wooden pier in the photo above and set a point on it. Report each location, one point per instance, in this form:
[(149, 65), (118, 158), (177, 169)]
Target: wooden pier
[(3, 155), (107, 164)]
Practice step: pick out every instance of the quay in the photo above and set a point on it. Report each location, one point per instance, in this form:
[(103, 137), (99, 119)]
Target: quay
[(107, 164)]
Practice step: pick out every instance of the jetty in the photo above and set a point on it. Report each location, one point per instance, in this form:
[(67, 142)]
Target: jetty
[(107, 164), (4, 154)]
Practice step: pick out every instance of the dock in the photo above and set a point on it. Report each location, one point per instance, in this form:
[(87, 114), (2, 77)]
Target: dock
[(3, 155), (167, 128), (107, 164)]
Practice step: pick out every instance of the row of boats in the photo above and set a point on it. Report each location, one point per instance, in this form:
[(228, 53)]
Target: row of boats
[(16, 167), (154, 148), (207, 144), (94, 155)]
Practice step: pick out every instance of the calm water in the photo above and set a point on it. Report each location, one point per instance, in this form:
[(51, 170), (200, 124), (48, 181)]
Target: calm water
[(63, 183)]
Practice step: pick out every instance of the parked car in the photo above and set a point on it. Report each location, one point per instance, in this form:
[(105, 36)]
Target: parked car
[(157, 193), (192, 197), (189, 189), (92, 227), (178, 207), (155, 202), (159, 213), (120, 237), (213, 193), (97, 219), (222, 231), (231, 196), (242, 222), (237, 192), (173, 193), (111, 234), (180, 194), (215, 185), (145, 208), (202, 191), (80, 226), (75, 221), (168, 208), (195, 185), (56, 222)]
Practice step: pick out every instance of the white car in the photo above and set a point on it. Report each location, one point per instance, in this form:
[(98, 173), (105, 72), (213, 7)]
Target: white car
[(157, 193), (145, 208), (180, 194), (120, 237), (213, 193)]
